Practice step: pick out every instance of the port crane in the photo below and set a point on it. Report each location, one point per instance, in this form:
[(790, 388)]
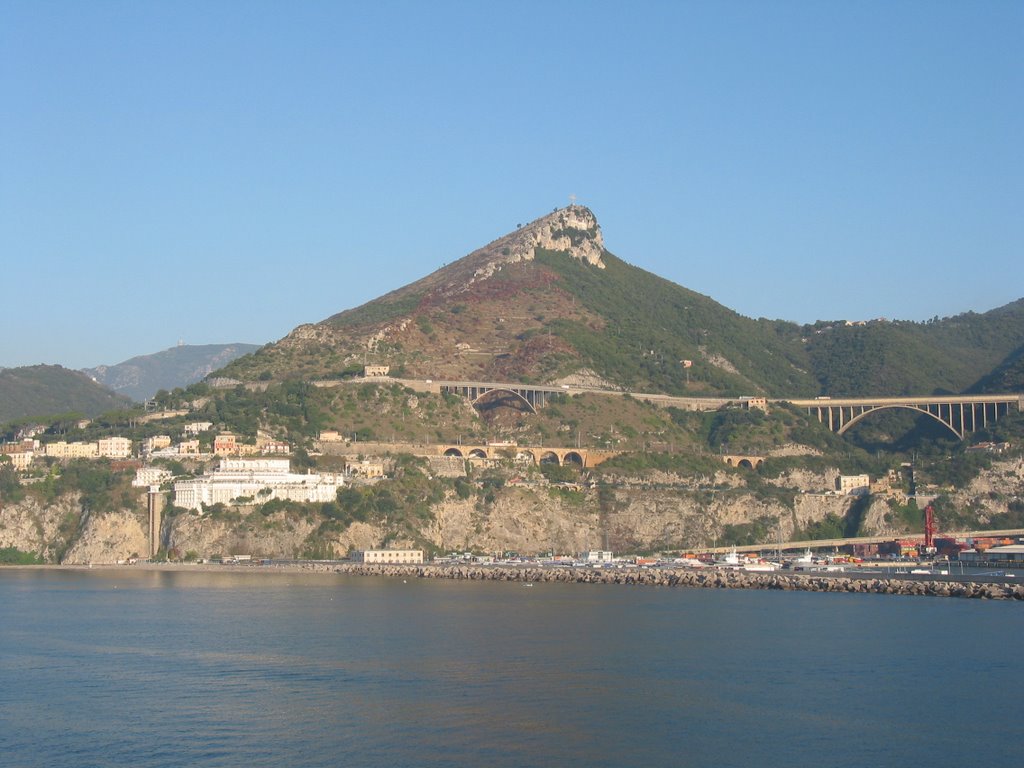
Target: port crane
[(931, 531)]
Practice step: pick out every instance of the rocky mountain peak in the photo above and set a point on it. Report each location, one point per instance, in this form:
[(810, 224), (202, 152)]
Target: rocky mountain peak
[(573, 230)]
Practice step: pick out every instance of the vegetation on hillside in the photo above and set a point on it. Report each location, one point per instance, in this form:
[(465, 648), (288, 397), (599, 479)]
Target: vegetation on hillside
[(39, 391), (1008, 376), (651, 325), (14, 556), (952, 354)]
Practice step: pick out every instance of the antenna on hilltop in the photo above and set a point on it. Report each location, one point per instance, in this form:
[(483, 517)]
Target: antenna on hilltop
[(572, 200)]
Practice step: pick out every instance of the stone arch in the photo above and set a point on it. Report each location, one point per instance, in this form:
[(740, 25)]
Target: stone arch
[(572, 457), (526, 457), (745, 463), (454, 452), (478, 453), (549, 457), (915, 409)]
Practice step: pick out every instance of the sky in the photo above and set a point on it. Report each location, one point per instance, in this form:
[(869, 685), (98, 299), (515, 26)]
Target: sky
[(219, 171)]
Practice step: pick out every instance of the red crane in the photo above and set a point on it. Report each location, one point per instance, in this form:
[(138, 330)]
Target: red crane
[(929, 528)]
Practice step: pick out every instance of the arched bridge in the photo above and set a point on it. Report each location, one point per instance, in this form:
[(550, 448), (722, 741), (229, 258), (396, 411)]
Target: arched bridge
[(528, 396), (747, 461), (535, 396), (960, 413)]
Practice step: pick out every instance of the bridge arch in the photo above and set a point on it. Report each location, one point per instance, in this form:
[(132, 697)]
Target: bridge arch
[(572, 457), (454, 452), (491, 394), (860, 416), (960, 414), (549, 457), (478, 453), (745, 461)]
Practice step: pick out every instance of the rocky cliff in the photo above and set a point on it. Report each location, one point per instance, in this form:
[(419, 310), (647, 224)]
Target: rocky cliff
[(59, 531), (633, 515)]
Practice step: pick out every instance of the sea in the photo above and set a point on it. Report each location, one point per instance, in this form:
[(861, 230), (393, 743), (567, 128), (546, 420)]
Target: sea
[(246, 667)]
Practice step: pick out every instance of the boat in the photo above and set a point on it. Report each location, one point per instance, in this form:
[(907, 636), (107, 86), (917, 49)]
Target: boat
[(731, 560), (801, 562)]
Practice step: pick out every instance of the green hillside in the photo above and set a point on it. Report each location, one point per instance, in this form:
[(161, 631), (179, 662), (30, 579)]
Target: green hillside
[(953, 354), (1008, 376), (651, 325), (44, 390)]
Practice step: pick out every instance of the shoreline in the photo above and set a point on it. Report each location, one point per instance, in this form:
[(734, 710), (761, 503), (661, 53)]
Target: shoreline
[(659, 577)]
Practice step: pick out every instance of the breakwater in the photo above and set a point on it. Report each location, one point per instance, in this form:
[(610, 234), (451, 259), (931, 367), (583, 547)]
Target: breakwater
[(684, 577)]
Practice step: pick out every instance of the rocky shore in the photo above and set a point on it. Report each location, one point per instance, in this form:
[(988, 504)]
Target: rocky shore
[(682, 577), (653, 577)]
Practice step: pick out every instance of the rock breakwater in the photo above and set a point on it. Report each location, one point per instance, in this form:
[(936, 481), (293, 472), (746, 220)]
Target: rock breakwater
[(669, 577)]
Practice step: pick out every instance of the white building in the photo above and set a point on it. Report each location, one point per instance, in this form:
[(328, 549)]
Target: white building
[(114, 447), (196, 427), (597, 556), (390, 556), (147, 476), (257, 479)]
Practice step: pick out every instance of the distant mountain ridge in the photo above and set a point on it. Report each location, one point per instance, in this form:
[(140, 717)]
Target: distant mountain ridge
[(143, 376), (548, 303), (40, 391)]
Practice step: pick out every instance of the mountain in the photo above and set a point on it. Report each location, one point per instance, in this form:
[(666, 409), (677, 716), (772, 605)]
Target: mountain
[(548, 303), (45, 390), (142, 377)]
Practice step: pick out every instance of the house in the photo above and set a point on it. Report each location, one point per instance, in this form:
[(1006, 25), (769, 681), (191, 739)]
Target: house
[(225, 444)]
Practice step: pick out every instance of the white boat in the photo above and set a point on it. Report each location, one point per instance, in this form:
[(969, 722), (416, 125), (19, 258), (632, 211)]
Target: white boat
[(731, 560), (802, 562)]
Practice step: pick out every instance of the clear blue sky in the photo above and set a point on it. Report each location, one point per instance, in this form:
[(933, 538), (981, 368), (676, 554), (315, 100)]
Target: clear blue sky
[(225, 171)]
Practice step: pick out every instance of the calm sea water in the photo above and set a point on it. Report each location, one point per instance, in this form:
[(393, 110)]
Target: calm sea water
[(147, 668)]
